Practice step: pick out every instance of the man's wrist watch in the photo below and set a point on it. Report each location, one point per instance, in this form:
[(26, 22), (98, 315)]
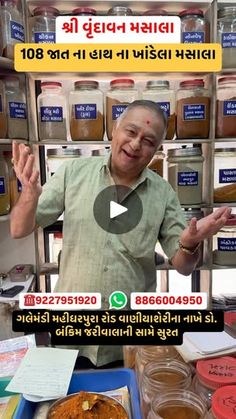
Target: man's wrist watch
[(189, 251)]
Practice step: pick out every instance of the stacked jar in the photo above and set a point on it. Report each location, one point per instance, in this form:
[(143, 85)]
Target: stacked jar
[(224, 244), (194, 27), (16, 109), (223, 403), (42, 26), (225, 175), (3, 111), (226, 107), (84, 11), (57, 156), (4, 187), (13, 31), (227, 35)]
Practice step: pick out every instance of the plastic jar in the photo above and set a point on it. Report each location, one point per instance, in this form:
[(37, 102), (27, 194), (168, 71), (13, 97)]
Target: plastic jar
[(121, 93), (119, 11), (178, 404), (194, 27), (156, 164), (57, 156), (3, 111), (86, 111), (4, 187), (223, 403), (225, 175), (224, 244), (12, 27), (226, 107), (226, 28), (16, 109), (193, 110), (84, 11), (161, 377), (159, 91), (185, 171), (15, 186), (42, 26), (51, 112)]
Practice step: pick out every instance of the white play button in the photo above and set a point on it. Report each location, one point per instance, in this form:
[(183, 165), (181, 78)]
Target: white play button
[(116, 209)]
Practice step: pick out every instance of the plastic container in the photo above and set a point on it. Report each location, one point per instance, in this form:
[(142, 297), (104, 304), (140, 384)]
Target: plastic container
[(224, 244), (52, 112), (3, 111), (193, 110), (57, 156), (16, 109), (225, 175), (223, 403), (159, 91), (121, 93), (226, 29), (194, 27), (86, 111), (119, 11), (226, 107), (96, 381), (4, 187), (42, 26), (185, 173), (12, 26)]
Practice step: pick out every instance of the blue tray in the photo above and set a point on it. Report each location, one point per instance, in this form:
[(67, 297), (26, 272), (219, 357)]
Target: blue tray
[(93, 380)]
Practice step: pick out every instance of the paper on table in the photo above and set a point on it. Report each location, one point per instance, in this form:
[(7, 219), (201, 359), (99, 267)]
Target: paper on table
[(44, 372), (208, 343)]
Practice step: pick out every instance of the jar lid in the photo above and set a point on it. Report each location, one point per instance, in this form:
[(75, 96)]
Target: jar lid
[(227, 79), (84, 11), (186, 12), (230, 317), (64, 152), (50, 83), (157, 83), (120, 10), (181, 152), (223, 402), (227, 11), (127, 82), (45, 10), (217, 372), (155, 12), (190, 213), (195, 82), (89, 83), (225, 150)]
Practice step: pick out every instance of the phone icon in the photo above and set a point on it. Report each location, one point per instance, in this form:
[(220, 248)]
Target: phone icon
[(117, 300)]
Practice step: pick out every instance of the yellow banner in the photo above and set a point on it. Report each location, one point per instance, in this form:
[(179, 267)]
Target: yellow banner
[(118, 58)]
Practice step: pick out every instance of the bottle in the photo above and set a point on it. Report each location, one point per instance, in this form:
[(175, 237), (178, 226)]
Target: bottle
[(4, 187), (16, 109), (42, 25), (3, 111), (194, 27), (226, 28), (12, 27), (226, 107)]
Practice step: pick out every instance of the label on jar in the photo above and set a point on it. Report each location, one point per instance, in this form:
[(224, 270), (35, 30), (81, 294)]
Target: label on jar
[(85, 111), (187, 178), (51, 113), (0, 103), (17, 110), (19, 186), (117, 110), (194, 112), (165, 106), (193, 37), (44, 37), (2, 185), (17, 31), (229, 108), (227, 175), (226, 244), (228, 40)]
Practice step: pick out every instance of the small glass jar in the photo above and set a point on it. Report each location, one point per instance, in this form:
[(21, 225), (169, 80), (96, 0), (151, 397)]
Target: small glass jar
[(224, 244), (4, 187), (119, 11), (185, 173), (159, 91), (129, 353), (226, 107), (193, 110), (161, 377), (226, 28), (57, 156), (178, 404), (156, 164), (13, 31), (225, 175), (42, 26), (52, 112), (223, 403), (17, 126), (121, 93), (3, 111), (194, 27), (15, 186), (84, 11), (86, 111)]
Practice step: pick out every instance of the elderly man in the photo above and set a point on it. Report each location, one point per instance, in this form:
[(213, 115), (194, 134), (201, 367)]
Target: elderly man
[(94, 259)]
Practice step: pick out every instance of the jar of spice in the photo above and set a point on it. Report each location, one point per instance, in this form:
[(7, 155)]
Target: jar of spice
[(185, 172), (121, 93), (226, 28), (225, 175), (3, 111), (15, 186), (223, 403), (13, 31), (226, 107), (119, 11), (194, 27), (51, 112), (224, 244), (42, 26), (16, 109), (193, 110), (86, 111), (4, 187), (57, 156), (155, 12), (159, 91), (84, 11)]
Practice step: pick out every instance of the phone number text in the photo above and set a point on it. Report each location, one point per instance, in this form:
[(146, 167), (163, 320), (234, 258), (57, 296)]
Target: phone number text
[(167, 301), (57, 301)]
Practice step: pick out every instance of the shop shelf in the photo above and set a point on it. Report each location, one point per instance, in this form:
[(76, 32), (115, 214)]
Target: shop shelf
[(216, 267), (69, 143), (224, 204), (225, 140), (6, 141)]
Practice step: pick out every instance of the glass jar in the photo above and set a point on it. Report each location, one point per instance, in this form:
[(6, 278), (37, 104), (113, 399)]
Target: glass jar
[(3, 111), (225, 175), (4, 187), (185, 172), (57, 156), (194, 27), (51, 112), (178, 404), (16, 109), (42, 26), (193, 110), (161, 377), (129, 353), (84, 11), (226, 107), (119, 11), (159, 91), (15, 186), (155, 12), (12, 27), (226, 28), (86, 111), (198, 214), (121, 93), (224, 244), (224, 403), (156, 164)]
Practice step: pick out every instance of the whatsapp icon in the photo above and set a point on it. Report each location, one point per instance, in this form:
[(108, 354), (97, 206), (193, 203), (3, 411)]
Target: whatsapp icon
[(117, 300)]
